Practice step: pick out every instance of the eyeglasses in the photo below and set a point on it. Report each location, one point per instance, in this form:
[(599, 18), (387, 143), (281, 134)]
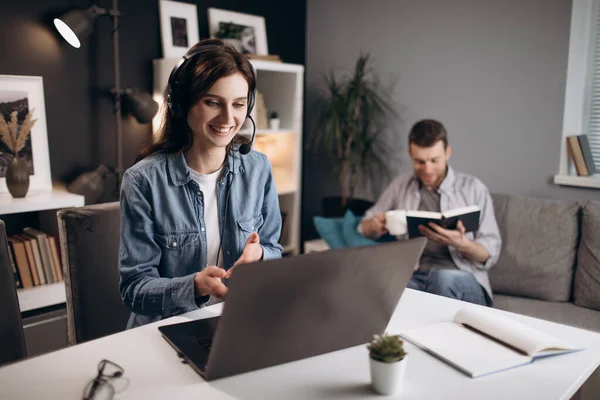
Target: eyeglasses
[(108, 382)]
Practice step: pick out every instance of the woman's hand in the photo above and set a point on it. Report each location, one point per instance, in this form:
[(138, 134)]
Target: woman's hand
[(253, 251), (208, 282)]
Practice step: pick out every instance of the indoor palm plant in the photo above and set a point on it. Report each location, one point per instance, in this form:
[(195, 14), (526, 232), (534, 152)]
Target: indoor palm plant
[(387, 360), (354, 114)]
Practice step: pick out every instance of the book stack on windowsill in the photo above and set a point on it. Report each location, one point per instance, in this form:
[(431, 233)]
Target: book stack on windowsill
[(581, 154), (35, 258)]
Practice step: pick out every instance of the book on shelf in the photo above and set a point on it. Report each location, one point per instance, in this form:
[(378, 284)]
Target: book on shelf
[(469, 216), (586, 151), (31, 267), (479, 342), (35, 258), (11, 259), (29, 243), (56, 257), (581, 154), (42, 242), (20, 257)]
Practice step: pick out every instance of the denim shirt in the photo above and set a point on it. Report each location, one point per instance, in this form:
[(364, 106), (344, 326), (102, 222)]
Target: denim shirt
[(163, 232), (456, 190)]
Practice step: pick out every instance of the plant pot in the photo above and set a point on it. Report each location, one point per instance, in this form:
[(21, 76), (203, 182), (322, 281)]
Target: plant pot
[(274, 124), (332, 206), (17, 177), (387, 378)]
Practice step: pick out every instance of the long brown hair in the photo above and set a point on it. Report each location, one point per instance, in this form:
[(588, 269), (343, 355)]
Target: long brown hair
[(195, 77)]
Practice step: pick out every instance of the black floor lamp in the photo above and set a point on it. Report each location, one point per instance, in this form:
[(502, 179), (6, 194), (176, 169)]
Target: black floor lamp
[(74, 27)]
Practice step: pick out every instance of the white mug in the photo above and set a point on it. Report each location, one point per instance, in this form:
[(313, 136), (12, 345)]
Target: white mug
[(395, 222)]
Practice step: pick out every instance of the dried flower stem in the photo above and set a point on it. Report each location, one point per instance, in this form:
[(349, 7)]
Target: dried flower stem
[(10, 133)]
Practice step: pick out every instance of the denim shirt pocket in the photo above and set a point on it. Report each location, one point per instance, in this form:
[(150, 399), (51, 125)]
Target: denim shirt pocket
[(248, 225), (179, 248)]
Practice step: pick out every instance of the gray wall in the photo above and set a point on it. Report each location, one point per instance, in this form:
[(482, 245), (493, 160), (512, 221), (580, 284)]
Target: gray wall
[(493, 71)]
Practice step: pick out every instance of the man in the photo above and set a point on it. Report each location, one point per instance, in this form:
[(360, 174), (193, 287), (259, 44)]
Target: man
[(454, 263)]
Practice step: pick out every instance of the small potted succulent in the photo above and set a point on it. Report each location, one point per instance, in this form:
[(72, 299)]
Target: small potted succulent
[(388, 362)]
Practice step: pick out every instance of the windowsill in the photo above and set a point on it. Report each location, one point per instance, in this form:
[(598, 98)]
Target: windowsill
[(581, 181)]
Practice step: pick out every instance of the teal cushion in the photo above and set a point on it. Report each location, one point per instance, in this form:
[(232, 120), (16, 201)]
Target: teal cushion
[(330, 230), (351, 236)]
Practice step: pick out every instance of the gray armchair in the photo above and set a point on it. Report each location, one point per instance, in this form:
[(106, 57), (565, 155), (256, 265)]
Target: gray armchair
[(89, 240), (12, 340)]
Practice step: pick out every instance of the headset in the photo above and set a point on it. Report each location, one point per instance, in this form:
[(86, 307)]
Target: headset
[(176, 92), (178, 109)]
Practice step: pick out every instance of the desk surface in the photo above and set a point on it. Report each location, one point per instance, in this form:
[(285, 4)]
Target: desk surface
[(154, 370)]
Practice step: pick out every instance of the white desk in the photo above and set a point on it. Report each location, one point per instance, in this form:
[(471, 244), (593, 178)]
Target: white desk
[(154, 370)]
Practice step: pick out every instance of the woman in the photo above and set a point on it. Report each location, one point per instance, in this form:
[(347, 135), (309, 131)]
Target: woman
[(193, 206)]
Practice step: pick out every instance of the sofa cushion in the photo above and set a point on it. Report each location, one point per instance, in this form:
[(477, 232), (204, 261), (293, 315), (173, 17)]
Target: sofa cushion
[(587, 275), (563, 313), (539, 244), (351, 236), (330, 230)]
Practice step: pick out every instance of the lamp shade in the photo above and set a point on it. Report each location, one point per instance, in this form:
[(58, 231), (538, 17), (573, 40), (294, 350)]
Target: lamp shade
[(140, 105), (76, 25)]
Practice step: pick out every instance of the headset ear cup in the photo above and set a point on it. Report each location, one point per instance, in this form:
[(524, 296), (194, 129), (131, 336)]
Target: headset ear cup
[(170, 104), (251, 100)]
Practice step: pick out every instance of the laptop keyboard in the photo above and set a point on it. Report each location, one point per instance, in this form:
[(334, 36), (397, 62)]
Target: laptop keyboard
[(205, 342)]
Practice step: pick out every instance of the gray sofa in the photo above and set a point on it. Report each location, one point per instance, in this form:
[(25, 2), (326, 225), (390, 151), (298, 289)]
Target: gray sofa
[(549, 267)]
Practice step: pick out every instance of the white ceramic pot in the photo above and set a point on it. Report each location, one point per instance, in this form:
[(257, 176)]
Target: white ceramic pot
[(274, 123), (387, 378)]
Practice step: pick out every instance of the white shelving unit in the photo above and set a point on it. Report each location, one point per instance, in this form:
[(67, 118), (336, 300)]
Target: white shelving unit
[(46, 202), (281, 86), (39, 201), (41, 296)]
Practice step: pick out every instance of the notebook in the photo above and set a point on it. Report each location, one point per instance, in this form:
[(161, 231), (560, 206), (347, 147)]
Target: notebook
[(286, 309), (479, 342)]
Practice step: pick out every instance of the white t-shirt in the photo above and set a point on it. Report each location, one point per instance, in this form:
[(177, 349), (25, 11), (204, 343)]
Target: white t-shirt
[(208, 186)]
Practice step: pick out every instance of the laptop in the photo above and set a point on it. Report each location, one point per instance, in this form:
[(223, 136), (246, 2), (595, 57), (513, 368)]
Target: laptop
[(292, 308)]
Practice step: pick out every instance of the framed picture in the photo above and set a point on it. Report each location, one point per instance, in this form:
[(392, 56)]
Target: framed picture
[(178, 27), (25, 94), (245, 32)]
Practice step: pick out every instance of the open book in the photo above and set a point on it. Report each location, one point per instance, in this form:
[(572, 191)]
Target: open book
[(448, 219), (479, 342)]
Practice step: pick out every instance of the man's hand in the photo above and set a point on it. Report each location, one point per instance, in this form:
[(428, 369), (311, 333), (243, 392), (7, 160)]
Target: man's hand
[(208, 282), (456, 238), (253, 251), (374, 227), (449, 237)]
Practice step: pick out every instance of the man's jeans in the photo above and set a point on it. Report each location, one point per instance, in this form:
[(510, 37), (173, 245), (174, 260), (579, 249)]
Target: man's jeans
[(451, 283)]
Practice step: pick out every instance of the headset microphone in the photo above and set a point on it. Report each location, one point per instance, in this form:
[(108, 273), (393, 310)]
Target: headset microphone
[(246, 147)]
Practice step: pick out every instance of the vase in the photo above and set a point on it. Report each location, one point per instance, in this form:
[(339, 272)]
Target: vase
[(387, 378), (17, 177), (274, 124)]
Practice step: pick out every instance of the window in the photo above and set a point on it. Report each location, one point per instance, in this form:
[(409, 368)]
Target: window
[(582, 94)]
